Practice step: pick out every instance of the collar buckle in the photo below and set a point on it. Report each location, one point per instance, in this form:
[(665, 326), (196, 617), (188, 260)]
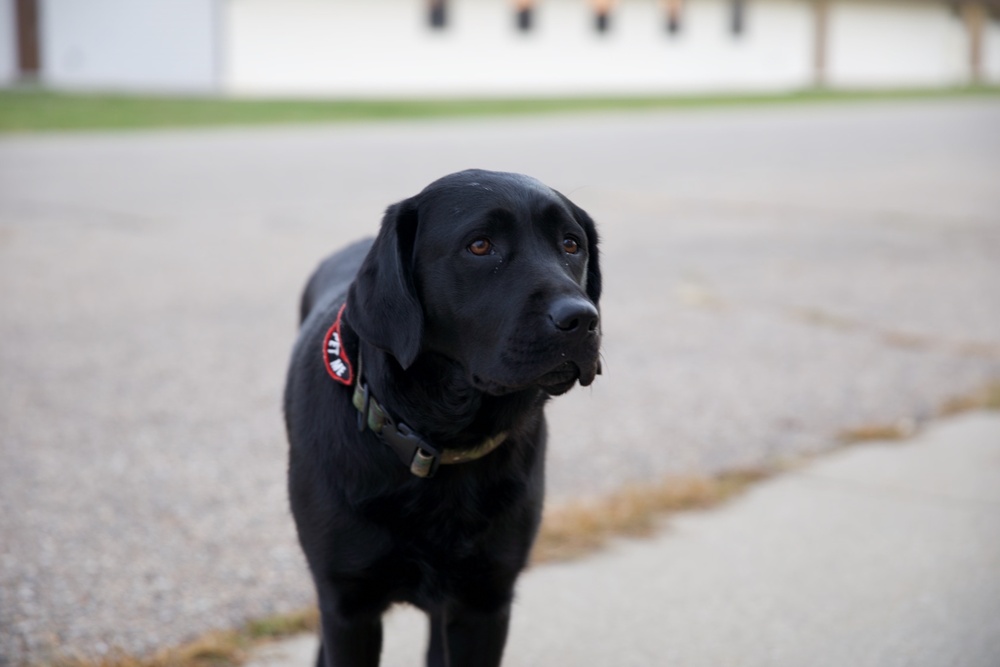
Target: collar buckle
[(424, 460), (410, 448)]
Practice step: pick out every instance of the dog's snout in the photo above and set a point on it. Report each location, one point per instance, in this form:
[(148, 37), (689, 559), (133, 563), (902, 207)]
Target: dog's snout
[(574, 315)]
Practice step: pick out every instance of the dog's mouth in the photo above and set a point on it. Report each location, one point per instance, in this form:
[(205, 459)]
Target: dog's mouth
[(557, 381), (562, 378)]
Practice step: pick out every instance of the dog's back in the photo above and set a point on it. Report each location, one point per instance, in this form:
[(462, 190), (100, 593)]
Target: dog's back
[(332, 277)]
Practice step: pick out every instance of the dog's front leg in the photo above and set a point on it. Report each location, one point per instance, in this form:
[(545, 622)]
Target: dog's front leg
[(436, 651), (466, 637), (349, 642)]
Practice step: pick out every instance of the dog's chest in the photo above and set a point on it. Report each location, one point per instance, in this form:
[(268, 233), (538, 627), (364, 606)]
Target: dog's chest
[(438, 543)]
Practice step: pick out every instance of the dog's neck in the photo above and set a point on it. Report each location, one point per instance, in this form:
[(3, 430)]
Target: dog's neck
[(435, 398)]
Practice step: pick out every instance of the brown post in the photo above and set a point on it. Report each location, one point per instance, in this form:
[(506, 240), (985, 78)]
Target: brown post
[(821, 32), (974, 14), (28, 59)]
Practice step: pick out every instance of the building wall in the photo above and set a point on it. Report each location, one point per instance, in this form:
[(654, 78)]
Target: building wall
[(8, 43), (384, 48), (886, 43), (359, 47), (144, 45)]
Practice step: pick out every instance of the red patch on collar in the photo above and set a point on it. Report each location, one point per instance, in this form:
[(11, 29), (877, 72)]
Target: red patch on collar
[(335, 356)]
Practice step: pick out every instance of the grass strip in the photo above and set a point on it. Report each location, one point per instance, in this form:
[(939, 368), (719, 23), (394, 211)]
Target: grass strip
[(986, 397), (37, 110), (220, 648), (582, 527)]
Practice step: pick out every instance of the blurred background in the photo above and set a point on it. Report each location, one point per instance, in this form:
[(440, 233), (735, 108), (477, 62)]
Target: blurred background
[(800, 213), (394, 48)]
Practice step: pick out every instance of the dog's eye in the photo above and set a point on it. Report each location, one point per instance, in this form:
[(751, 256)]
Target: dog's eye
[(570, 245), (481, 247)]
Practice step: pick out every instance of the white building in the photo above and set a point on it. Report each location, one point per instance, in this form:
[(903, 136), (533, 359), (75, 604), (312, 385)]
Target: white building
[(412, 48)]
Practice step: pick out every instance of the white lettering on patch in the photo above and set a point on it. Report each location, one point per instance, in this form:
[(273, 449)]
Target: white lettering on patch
[(338, 366)]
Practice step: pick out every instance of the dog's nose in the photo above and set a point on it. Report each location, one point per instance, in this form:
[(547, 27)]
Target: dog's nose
[(573, 314)]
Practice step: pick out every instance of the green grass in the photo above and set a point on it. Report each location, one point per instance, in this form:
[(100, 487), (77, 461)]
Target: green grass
[(34, 110)]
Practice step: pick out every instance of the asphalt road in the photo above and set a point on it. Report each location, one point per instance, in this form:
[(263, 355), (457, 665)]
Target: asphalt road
[(774, 276)]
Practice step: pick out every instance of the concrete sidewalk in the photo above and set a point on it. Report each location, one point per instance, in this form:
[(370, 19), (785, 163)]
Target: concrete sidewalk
[(883, 554)]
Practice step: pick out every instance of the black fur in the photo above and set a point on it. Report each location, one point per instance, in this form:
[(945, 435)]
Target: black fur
[(460, 347)]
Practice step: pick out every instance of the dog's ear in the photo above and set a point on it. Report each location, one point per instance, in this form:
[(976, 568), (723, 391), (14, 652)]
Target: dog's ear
[(383, 303), (593, 260)]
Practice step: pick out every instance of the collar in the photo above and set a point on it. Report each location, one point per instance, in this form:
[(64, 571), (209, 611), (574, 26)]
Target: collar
[(413, 451)]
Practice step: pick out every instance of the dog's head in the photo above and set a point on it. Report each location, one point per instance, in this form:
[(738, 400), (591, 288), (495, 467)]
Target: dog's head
[(494, 271)]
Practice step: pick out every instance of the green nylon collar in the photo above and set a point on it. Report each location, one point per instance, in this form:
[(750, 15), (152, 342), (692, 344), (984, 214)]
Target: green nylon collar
[(419, 456)]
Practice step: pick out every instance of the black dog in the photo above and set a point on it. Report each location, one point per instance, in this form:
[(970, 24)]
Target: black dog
[(414, 408)]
